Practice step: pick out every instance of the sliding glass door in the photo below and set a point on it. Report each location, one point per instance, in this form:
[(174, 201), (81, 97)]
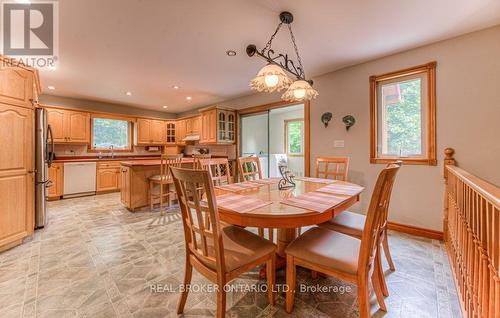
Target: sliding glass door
[(277, 137)]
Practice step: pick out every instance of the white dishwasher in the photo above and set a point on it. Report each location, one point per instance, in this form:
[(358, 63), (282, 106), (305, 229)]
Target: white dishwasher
[(79, 179)]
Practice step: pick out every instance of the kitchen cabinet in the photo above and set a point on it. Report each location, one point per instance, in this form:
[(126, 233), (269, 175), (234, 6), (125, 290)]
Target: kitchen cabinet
[(149, 132), (218, 126), (170, 130), (108, 177), (125, 186), (69, 126), (56, 178), (193, 125), (17, 193), (180, 131)]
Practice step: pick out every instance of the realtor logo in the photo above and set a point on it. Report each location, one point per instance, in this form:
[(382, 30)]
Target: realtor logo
[(29, 32)]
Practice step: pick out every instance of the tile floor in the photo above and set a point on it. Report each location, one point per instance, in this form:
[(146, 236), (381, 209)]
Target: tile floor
[(96, 259)]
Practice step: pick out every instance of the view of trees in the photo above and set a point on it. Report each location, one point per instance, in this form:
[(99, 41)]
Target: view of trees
[(110, 132), (404, 120), (295, 132)]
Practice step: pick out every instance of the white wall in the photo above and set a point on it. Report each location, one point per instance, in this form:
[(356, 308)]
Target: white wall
[(468, 119)]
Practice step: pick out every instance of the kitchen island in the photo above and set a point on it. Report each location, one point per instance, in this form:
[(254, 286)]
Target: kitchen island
[(135, 176)]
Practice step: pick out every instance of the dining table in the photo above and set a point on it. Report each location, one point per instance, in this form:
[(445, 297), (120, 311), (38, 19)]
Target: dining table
[(284, 209)]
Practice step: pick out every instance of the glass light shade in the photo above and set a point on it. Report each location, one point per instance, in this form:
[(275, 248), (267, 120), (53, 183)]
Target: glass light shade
[(299, 90), (270, 78)]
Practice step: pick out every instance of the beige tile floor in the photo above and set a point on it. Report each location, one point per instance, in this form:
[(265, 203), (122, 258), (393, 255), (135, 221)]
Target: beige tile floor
[(96, 259)]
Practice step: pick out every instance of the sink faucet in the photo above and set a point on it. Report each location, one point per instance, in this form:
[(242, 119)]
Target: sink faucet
[(112, 152)]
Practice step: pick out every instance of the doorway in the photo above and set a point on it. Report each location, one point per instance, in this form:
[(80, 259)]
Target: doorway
[(278, 137)]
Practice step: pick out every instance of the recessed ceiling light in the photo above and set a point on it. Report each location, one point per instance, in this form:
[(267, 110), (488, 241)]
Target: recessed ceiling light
[(165, 106), (51, 88), (189, 98), (128, 93), (231, 53), (175, 87)]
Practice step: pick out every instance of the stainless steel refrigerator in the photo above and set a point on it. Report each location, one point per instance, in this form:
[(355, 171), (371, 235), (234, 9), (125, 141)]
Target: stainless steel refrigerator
[(44, 154)]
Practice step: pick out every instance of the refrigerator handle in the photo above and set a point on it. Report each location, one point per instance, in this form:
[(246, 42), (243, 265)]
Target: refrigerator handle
[(50, 139)]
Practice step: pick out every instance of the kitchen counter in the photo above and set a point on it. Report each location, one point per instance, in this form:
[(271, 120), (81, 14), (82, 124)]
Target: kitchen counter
[(150, 162), (96, 159)]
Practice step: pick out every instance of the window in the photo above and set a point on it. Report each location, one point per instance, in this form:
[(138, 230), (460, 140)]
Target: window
[(110, 133), (403, 116), (294, 137)]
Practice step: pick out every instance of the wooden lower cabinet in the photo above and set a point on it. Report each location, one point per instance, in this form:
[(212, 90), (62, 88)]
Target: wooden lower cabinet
[(56, 178), (108, 176), (125, 186)]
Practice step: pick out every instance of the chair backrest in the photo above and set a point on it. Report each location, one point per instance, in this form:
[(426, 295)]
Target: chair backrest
[(249, 168), (167, 161), (202, 234), (197, 157), (379, 203), (218, 169), (336, 167)]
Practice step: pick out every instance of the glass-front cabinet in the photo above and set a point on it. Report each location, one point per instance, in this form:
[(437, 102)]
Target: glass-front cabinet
[(218, 126), (170, 128)]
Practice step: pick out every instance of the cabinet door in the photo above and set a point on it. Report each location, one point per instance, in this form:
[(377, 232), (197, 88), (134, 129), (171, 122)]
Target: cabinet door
[(143, 131), (180, 130), (157, 132), (125, 186), (195, 125), (189, 126), (170, 131), (212, 126), (16, 87), (231, 127), (78, 127), (16, 174), (56, 120), (56, 177), (107, 179)]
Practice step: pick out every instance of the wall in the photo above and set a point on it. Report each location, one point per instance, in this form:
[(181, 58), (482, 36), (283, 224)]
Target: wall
[(468, 115)]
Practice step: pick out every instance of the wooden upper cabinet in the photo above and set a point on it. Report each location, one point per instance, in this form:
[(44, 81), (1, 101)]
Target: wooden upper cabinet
[(69, 126), (180, 131), (16, 87), (16, 174), (150, 132), (170, 132), (218, 126)]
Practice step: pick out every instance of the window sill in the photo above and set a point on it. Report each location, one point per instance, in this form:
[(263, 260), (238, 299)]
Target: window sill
[(408, 161), (109, 150)]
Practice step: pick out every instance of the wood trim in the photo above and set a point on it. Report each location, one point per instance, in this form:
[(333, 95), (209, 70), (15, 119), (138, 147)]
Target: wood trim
[(281, 104), (130, 147), (414, 230), (430, 70), (285, 126)]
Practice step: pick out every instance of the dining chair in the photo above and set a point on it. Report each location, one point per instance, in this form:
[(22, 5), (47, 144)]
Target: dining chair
[(218, 169), (249, 169), (197, 157), (339, 171), (161, 180), (220, 253), (344, 256), (352, 224)]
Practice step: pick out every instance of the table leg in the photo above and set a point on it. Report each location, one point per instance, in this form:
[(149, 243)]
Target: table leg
[(285, 237)]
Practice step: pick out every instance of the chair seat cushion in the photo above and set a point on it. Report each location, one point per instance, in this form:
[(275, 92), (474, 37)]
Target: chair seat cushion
[(329, 249), (160, 178), (241, 247), (349, 223)]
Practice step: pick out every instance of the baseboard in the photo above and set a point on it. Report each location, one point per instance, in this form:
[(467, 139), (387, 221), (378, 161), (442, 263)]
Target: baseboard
[(417, 231)]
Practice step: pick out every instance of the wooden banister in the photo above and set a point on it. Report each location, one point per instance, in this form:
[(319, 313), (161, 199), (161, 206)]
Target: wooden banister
[(472, 236)]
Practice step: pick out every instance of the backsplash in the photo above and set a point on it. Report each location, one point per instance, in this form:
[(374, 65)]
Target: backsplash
[(81, 150), (216, 150)]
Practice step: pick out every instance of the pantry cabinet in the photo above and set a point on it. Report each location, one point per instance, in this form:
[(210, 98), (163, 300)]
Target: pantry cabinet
[(69, 126), (218, 126), (56, 179), (149, 132)]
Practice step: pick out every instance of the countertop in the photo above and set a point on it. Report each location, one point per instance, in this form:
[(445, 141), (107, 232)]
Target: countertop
[(145, 163), (96, 159)]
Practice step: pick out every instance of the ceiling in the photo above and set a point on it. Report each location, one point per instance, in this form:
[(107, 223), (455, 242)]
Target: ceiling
[(110, 47)]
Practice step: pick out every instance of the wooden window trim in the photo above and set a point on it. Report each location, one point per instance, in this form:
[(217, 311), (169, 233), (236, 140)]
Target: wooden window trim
[(287, 121), (430, 70), (130, 132)]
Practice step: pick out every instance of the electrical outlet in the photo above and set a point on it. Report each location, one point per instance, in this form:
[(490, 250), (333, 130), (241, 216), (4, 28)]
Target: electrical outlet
[(338, 143)]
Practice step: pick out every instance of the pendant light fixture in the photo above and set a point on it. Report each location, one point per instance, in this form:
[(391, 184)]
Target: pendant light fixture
[(273, 77)]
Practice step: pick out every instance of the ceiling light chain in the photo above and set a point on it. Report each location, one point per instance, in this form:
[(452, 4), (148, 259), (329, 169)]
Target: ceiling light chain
[(296, 51), (269, 43)]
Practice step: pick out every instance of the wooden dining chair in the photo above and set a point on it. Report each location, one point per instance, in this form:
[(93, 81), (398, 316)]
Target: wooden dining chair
[(344, 256), (340, 167), (162, 180), (197, 157), (352, 224), (218, 169), (219, 253), (249, 168)]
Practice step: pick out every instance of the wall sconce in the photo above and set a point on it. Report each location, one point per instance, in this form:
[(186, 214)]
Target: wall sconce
[(349, 121), (325, 118)]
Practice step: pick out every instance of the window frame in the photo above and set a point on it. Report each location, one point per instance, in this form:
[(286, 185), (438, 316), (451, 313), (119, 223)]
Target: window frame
[(287, 122), (104, 116), (429, 70)]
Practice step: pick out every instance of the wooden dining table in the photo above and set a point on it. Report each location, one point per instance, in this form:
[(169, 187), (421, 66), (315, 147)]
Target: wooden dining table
[(285, 218)]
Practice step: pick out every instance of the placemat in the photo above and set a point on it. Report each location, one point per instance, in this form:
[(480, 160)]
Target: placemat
[(317, 180), (240, 203), (315, 201), (238, 187), (339, 188)]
